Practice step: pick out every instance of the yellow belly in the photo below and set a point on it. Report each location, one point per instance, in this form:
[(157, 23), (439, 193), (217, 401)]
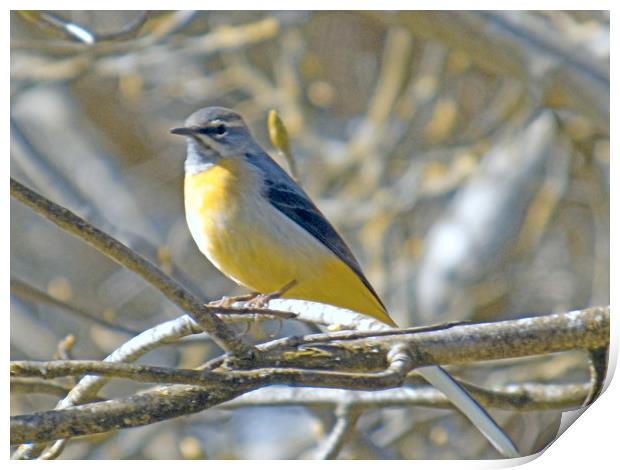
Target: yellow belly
[(252, 243)]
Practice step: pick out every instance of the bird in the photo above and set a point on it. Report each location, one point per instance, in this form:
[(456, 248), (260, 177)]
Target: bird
[(258, 227)]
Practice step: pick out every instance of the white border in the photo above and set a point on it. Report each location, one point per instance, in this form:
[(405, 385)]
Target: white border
[(592, 440)]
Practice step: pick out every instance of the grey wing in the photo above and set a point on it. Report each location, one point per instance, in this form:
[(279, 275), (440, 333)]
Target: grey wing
[(286, 196)]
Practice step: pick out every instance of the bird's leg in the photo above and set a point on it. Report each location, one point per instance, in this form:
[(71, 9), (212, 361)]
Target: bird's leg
[(253, 300), (261, 300), (258, 300), (229, 301)]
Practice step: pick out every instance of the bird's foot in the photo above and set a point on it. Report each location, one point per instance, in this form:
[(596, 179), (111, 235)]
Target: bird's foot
[(262, 300), (253, 300), (227, 302)]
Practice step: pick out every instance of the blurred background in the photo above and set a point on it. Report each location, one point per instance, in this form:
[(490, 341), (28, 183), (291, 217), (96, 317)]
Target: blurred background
[(463, 155)]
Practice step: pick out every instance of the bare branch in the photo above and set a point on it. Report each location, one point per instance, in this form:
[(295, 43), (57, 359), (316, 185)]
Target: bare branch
[(28, 292), (79, 32), (141, 409), (519, 45), (516, 397), (389, 355), (169, 402), (461, 344), (67, 220), (88, 386), (399, 366)]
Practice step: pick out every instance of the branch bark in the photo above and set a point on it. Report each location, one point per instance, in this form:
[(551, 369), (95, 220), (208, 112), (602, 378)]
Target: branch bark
[(461, 344)]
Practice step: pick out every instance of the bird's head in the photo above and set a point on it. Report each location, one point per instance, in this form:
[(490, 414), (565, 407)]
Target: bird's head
[(214, 133)]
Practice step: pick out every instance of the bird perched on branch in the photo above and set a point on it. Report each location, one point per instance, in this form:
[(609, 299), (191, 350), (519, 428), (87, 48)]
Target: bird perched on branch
[(259, 228)]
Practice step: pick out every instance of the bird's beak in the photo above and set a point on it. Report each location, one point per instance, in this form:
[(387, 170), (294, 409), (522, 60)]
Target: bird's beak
[(182, 131)]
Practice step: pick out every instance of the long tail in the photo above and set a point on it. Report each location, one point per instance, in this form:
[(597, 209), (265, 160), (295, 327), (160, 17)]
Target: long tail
[(435, 375), (444, 382)]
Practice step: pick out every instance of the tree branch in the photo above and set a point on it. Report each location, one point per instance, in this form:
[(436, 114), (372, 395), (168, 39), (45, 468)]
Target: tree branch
[(514, 397), (337, 364), (460, 344), (170, 402), (521, 46), (67, 220)]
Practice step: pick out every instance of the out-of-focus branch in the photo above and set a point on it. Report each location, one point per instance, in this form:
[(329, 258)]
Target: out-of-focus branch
[(516, 397), (114, 249), (31, 293), (484, 231), (519, 45), (368, 137), (219, 40), (112, 58), (43, 174), (341, 433), (81, 33), (32, 385)]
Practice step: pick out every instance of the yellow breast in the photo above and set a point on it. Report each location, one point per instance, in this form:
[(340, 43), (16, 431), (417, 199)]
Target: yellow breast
[(254, 244), (214, 209)]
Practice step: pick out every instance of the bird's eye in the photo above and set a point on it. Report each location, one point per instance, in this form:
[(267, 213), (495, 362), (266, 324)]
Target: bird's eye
[(217, 130)]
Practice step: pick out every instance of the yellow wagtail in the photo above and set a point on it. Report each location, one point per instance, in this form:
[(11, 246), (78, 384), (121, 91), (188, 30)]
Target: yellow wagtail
[(259, 228)]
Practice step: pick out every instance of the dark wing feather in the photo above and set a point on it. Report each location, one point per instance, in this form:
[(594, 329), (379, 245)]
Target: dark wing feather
[(286, 196)]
